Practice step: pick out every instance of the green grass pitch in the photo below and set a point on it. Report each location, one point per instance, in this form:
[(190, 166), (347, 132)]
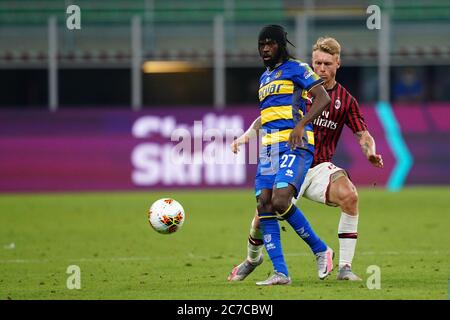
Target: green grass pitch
[(107, 235)]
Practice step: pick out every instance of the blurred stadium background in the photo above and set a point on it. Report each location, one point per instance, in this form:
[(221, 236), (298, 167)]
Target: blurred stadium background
[(163, 58), (93, 110)]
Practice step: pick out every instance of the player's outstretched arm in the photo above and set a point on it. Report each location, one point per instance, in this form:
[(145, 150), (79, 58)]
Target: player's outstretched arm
[(250, 133), (320, 101), (367, 144)]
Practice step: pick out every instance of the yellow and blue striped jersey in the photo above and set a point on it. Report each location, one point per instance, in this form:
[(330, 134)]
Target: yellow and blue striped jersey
[(282, 100)]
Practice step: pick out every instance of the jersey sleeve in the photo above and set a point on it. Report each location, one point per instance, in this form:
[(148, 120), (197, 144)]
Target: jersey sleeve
[(305, 77), (355, 119)]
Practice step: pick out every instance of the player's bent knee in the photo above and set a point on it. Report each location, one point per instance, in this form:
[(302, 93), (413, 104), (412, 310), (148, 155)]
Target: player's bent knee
[(264, 207), (351, 196), (349, 200), (264, 204), (280, 204)]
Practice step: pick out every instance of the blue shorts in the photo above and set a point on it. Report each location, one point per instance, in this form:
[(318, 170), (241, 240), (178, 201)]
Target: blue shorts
[(279, 166)]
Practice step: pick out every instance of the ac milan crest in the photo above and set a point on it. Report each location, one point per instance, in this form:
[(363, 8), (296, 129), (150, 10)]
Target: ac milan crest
[(337, 103)]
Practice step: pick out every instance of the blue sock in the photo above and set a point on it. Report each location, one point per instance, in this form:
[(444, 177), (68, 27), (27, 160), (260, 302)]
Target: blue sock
[(272, 242), (302, 227)]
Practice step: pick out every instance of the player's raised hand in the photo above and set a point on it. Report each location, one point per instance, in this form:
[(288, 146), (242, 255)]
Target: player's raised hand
[(376, 160), (296, 137), (238, 142), (234, 146)]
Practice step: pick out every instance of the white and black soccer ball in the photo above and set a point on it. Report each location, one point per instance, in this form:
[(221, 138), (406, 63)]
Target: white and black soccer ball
[(166, 215)]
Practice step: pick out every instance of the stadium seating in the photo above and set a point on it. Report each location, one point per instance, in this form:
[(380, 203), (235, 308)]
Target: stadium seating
[(106, 28)]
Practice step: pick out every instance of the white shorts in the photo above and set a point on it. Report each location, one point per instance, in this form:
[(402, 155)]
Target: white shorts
[(317, 183)]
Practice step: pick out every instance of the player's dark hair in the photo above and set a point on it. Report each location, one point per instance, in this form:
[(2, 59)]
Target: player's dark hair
[(279, 35)]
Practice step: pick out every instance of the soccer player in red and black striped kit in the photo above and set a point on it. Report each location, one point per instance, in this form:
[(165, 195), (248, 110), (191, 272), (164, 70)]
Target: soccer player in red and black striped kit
[(324, 182)]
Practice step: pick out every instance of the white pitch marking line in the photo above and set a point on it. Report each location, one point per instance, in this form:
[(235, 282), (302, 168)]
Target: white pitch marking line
[(192, 256)]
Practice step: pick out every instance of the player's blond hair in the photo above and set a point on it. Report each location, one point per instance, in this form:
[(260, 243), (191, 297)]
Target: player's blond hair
[(328, 45)]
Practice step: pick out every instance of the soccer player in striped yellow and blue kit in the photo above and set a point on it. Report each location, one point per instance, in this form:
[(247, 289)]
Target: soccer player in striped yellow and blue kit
[(288, 147)]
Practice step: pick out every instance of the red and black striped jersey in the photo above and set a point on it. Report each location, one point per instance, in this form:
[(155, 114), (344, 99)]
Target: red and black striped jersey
[(343, 109)]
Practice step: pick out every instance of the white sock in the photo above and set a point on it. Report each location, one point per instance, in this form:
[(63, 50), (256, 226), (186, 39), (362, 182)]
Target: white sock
[(348, 234), (254, 244)]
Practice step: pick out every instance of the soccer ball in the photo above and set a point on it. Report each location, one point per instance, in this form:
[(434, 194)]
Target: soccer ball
[(166, 215)]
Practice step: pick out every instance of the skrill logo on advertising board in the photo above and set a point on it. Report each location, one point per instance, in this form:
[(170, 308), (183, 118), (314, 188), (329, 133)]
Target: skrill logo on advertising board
[(190, 154)]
